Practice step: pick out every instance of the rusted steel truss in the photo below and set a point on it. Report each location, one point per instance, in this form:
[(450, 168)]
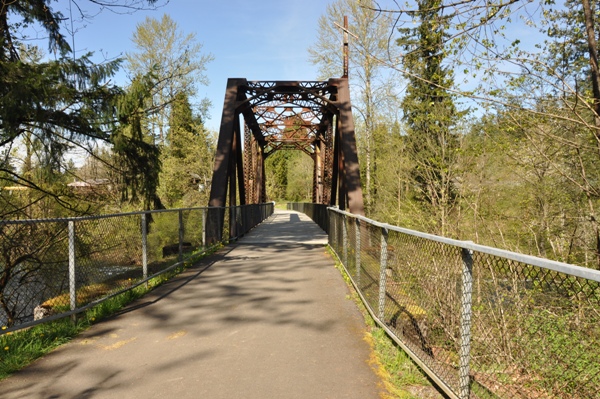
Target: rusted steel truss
[(314, 117)]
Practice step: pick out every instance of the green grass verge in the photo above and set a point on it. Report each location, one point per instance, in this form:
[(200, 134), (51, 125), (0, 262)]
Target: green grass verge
[(20, 348), (396, 369)]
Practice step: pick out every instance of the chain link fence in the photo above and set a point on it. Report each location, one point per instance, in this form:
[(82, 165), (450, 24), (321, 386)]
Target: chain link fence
[(481, 322), (53, 268)]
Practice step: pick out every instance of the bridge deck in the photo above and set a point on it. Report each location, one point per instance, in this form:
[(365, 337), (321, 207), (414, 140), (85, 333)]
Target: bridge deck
[(264, 318)]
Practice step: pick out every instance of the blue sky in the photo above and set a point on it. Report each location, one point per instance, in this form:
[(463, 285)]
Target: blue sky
[(257, 40), (253, 39)]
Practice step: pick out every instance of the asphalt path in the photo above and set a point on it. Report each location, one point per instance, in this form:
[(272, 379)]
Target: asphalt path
[(266, 317)]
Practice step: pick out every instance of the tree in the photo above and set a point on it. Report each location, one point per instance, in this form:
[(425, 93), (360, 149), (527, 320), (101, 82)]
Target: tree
[(300, 178), (50, 108), (58, 105), (175, 60), (545, 97), (187, 158), (372, 84), (392, 179), (138, 157), (429, 111), (571, 53), (277, 167)]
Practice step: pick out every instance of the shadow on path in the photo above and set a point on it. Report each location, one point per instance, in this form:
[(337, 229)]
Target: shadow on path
[(264, 318)]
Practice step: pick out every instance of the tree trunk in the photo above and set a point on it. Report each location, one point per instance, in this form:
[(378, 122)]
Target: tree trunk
[(588, 14), (8, 53), (369, 132)]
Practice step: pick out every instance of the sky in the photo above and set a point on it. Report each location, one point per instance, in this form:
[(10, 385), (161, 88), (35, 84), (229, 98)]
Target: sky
[(252, 39)]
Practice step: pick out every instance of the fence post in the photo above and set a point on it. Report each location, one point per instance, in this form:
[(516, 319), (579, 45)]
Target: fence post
[(144, 246), (72, 276), (382, 272), (180, 256), (465, 323), (357, 250), (345, 240), (231, 222), (204, 216), (335, 236), (330, 234), (240, 221)]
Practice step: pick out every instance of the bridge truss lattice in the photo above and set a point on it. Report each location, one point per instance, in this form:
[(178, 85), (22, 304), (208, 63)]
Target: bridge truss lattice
[(314, 117)]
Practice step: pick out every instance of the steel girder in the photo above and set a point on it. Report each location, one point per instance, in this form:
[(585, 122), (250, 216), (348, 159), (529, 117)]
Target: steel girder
[(310, 116)]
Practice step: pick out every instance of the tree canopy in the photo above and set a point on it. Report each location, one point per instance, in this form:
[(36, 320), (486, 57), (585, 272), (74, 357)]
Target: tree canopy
[(175, 60), (51, 107), (518, 170)]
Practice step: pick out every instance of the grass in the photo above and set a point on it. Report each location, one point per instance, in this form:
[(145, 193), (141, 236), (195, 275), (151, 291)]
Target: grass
[(20, 348), (395, 368)]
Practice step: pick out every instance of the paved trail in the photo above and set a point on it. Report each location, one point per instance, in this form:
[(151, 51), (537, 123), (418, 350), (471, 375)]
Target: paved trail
[(264, 318)]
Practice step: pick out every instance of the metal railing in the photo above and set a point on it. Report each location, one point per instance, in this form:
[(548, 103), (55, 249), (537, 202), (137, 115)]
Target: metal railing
[(53, 268), (482, 322), (317, 212)]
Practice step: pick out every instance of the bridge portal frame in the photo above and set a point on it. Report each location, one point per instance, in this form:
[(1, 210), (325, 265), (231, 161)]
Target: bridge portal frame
[(312, 116)]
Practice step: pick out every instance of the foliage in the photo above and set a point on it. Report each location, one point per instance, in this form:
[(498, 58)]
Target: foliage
[(174, 59), (53, 107), (175, 65), (132, 149), (373, 86), (492, 179), (186, 158), (42, 105), (289, 176), (396, 198), (276, 174), (429, 112), (300, 178)]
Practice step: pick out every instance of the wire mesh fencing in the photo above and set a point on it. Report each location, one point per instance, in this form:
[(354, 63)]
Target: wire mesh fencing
[(53, 268), (480, 321)]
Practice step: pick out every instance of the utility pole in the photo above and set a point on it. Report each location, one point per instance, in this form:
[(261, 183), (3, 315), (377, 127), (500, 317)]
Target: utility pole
[(346, 53), (346, 50)]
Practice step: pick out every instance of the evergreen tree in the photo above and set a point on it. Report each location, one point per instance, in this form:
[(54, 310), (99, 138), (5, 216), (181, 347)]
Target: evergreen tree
[(429, 110), (187, 157), (137, 156), (64, 103)]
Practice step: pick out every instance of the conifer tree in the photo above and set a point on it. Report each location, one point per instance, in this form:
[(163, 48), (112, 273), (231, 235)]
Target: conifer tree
[(186, 158), (429, 110), (65, 103)]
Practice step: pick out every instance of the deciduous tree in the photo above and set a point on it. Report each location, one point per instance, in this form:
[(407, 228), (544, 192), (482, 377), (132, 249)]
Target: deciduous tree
[(176, 61), (187, 158), (372, 84)]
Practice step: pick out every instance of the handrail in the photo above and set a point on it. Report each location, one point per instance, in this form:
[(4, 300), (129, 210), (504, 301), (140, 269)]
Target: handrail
[(480, 321), (58, 267)]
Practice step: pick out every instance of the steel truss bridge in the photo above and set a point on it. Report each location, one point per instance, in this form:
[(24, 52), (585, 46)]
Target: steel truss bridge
[(314, 117)]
